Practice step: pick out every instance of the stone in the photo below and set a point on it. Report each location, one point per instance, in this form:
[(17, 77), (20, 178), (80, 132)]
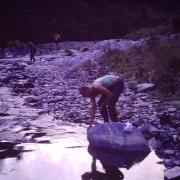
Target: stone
[(172, 174), (111, 137), (150, 129), (133, 84), (155, 143), (31, 99), (168, 163), (141, 104), (165, 119), (171, 109), (177, 162), (177, 115), (169, 152), (58, 99), (28, 85), (145, 87), (115, 159), (6, 145), (84, 49)]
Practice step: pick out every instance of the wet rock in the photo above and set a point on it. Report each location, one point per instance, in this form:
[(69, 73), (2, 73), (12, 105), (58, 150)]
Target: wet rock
[(145, 87), (171, 109), (168, 163), (141, 104), (84, 49), (35, 134), (132, 84), (18, 86), (10, 153), (57, 99), (7, 145), (150, 129), (166, 139), (175, 138), (4, 114), (31, 100), (71, 75), (172, 174), (5, 80), (177, 115), (115, 159), (3, 108), (44, 142), (111, 137), (69, 52), (178, 131), (169, 152), (176, 162), (28, 85)]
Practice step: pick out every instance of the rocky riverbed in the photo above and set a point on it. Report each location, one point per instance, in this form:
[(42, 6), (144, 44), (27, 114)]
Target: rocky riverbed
[(40, 102)]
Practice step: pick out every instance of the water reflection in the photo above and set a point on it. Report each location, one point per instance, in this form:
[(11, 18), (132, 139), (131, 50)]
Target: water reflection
[(111, 162), (111, 173), (67, 158)]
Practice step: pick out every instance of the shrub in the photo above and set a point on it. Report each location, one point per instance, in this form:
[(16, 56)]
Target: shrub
[(145, 32), (159, 63)]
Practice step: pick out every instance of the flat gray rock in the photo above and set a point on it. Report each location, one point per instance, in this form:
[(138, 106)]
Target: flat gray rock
[(111, 137), (173, 173)]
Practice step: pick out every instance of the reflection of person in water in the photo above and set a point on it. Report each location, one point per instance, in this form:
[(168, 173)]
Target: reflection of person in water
[(111, 173)]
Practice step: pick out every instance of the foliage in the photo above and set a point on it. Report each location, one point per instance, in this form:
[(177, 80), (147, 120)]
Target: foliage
[(146, 31), (158, 63), (16, 44)]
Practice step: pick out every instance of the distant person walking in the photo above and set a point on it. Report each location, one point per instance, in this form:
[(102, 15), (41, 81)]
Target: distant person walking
[(57, 39), (33, 50), (109, 87)]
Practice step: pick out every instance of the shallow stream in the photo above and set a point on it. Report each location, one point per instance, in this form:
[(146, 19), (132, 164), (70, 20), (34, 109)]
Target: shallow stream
[(67, 158)]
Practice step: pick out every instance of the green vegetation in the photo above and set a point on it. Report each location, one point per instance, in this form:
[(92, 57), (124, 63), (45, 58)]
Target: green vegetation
[(144, 32), (158, 62)]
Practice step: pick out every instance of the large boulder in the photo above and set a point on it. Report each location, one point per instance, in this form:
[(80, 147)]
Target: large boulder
[(111, 137)]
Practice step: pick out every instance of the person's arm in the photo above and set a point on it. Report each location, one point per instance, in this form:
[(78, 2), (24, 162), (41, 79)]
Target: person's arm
[(103, 90), (92, 111)]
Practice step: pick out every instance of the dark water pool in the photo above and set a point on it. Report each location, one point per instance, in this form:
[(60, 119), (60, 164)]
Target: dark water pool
[(67, 158)]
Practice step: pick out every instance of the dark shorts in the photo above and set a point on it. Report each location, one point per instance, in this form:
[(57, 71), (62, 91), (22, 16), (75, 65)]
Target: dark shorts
[(116, 90)]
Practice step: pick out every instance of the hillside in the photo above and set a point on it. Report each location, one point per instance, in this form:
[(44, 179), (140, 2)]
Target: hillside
[(32, 20)]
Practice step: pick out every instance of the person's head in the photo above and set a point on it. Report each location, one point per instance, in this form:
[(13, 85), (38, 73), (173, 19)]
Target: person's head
[(86, 91)]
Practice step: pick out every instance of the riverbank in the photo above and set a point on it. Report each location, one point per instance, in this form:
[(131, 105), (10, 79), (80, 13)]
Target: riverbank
[(38, 100)]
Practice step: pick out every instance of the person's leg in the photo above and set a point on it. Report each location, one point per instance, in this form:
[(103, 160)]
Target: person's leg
[(33, 58), (116, 91), (103, 109), (112, 111), (30, 57)]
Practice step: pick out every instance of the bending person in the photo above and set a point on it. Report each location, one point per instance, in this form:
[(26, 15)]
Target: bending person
[(109, 87)]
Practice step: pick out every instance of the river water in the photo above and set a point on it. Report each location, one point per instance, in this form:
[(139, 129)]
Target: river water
[(51, 149), (67, 158)]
